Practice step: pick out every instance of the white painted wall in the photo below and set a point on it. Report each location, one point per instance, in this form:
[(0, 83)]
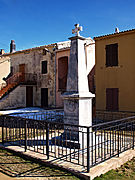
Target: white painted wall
[(90, 54), (4, 68)]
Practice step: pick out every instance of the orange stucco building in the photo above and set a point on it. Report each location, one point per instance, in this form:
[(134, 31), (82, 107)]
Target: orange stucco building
[(115, 72)]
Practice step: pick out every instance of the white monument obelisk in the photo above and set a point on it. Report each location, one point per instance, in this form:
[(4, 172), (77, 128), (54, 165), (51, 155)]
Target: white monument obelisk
[(77, 98)]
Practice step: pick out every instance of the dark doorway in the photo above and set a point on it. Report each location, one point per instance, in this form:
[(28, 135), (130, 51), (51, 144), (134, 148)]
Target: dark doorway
[(112, 99), (62, 73), (44, 97), (29, 96)]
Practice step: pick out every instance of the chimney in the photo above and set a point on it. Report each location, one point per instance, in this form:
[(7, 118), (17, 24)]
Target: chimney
[(2, 51), (12, 46), (117, 30)]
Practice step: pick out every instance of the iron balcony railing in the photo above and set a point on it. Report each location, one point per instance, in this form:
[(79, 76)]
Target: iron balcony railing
[(28, 78), (20, 77), (2, 85), (81, 145)]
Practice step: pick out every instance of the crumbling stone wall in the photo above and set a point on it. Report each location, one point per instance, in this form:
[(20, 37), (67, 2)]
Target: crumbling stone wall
[(14, 99), (33, 60)]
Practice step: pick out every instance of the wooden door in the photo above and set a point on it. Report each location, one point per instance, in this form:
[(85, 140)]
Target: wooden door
[(22, 70), (112, 99), (29, 96), (44, 97), (62, 73)]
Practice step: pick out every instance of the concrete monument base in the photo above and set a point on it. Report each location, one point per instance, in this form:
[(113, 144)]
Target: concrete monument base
[(78, 108), (78, 113)]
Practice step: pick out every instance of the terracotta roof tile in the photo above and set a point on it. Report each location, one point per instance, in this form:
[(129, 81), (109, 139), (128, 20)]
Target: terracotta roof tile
[(114, 34)]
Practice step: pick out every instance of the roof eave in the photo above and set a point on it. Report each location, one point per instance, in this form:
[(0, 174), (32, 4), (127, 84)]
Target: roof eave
[(114, 35)]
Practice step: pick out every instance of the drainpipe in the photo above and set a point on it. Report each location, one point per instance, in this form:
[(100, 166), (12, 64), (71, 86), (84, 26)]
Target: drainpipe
[(55, 80), (54, 53), (55, 74)]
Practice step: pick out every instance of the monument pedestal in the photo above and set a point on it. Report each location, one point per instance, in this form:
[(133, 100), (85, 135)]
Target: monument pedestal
[(78, 109), (78, 113)]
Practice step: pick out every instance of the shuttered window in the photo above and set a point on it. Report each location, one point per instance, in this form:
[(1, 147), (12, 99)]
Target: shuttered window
[(112, 55), (44, 52), (112, 99), (62, 73), (44, 67)]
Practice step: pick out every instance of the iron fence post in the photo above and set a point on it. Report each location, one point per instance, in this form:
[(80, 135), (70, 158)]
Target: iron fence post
[(26, 135), (88, 149), (3, 130), (47, 140), (133, 134), (118, 140)]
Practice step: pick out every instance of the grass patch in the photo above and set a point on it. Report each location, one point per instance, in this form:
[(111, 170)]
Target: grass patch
[(16, 166), (125, 172)]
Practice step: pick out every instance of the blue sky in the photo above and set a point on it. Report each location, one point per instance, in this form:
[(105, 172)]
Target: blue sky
[(38, 22)]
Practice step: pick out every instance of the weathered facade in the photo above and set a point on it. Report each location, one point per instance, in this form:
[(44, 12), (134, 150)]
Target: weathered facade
[(36, 66), (115, 77), (62, 60), (38, 76)]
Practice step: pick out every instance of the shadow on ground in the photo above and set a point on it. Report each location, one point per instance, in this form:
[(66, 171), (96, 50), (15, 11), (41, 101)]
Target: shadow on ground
[(16, 166)]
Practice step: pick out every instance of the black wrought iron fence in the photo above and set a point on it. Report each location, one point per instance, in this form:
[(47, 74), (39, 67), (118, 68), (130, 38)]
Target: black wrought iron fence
[(54, 139), (111, 138), (48, 115), (81, 145)]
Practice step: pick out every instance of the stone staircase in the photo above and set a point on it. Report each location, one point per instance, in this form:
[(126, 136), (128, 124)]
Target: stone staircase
[(10, 84)]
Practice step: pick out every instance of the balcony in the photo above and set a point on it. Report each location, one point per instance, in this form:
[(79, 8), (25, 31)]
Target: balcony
[(22, 78), (28, 79)]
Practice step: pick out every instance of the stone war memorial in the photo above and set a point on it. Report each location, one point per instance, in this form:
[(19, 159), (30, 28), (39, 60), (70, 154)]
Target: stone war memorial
[(77, 98)]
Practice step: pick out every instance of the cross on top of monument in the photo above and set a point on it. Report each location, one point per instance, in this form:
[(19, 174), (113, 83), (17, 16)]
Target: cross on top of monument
[(77, 29)]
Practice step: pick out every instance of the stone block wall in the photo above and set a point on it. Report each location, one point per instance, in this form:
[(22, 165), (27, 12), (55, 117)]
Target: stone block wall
[(15, 99), (33, 64)]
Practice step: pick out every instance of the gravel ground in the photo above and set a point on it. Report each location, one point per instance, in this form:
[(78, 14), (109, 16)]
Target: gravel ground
[(18, 168)]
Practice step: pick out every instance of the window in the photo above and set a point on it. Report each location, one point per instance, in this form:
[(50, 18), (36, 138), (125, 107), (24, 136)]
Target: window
[(112, 99), (112, 55), (44, 52), (44, 67)]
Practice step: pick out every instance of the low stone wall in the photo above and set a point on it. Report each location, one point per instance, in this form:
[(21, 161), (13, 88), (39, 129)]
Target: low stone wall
[(109, 116), (14, 99)]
